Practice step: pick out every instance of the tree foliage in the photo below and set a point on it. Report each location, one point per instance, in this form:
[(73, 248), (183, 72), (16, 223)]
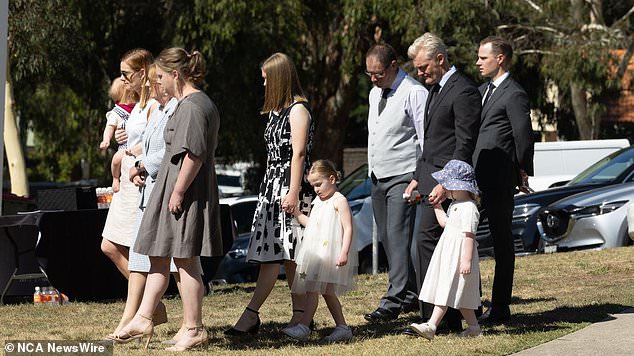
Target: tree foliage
[(64, 54)]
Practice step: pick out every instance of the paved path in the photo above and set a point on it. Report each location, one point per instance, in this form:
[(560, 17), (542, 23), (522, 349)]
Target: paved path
[(612, 336)]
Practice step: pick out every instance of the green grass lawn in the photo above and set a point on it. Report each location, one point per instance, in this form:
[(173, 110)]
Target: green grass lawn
[(553, 295)]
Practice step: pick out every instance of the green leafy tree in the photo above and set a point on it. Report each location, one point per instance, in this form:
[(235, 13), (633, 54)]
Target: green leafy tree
[(572, 43)]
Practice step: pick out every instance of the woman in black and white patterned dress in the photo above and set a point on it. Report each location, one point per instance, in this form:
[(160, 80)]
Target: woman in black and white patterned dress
[(274, 236)]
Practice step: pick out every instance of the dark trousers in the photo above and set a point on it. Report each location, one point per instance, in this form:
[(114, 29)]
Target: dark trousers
[(498, 204), (395, 223), (426, 241)]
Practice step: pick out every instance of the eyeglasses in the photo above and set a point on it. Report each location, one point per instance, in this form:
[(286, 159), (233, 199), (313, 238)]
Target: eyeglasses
[(379, 75), (127, 75)]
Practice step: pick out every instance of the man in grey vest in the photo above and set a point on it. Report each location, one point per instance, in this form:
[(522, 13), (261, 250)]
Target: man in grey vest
[(395, 121)]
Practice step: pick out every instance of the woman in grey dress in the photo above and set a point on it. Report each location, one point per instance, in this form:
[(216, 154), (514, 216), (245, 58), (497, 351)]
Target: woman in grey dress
[(143, 174), (182, 217)]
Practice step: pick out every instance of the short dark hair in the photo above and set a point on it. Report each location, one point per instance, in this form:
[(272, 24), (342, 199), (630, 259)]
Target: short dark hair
[(383, 52), (499, 45)]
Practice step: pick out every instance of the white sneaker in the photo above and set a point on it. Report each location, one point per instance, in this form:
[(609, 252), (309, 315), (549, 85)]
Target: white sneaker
[(299, 332), (424, 329), (341, 333), (471, 331)]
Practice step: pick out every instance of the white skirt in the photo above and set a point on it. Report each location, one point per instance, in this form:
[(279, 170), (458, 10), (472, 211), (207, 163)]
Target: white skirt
[(120, 224)]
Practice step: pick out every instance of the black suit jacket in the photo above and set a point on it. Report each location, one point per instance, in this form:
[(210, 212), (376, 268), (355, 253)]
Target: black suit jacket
[(451, 128), (505, 140)]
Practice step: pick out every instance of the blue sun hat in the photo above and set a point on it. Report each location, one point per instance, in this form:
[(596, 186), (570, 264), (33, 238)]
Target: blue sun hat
[(457, 175)]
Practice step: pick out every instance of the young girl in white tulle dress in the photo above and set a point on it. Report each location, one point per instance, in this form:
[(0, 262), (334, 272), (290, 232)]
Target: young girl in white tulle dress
[(326, 260), (453, 276)]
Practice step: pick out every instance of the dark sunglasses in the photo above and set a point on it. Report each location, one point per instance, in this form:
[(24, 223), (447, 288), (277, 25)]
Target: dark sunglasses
[(127, 75)]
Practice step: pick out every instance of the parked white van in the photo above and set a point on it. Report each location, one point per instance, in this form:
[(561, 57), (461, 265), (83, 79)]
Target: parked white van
[(558, 162)]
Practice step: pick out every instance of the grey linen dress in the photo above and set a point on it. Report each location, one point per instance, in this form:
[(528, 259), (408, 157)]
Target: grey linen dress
[(196, 231)]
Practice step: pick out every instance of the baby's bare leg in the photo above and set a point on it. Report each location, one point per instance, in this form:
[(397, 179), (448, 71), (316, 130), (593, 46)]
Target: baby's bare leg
[(115, 167)]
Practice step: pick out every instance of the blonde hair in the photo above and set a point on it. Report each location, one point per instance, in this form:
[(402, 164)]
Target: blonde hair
[(428, 42), (282, 83), (190, 66), (117, 90), (138, 59), (325, 168), (119, 94)]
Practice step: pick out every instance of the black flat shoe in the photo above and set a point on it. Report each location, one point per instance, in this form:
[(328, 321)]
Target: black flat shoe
[(380, 314), (253, 330), (408, 331)]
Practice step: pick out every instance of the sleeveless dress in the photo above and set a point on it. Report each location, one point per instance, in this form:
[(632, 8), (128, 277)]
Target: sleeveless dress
[(120, 226), (274, 233), (444, 284), (319, 250)]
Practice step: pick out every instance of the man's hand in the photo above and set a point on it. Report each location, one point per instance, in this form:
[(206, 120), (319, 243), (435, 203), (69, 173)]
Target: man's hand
[(410, 187), (524, 188)]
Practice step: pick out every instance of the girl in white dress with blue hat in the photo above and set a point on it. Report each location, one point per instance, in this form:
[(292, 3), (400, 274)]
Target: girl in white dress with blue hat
[(325, 264), (453, 276)]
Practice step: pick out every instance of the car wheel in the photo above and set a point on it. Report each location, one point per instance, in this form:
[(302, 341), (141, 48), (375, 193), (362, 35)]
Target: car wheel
[(627, 241)]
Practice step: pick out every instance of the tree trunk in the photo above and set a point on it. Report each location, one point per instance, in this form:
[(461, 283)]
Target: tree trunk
[(13, 148), (579, 99), (332, 95)]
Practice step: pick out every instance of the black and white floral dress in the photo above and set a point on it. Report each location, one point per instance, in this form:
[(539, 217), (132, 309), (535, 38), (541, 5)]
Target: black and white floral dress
[(275, 234)]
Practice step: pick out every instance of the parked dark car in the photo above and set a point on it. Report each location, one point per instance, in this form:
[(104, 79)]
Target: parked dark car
[(356, 187), (616, 168), (234, 268)]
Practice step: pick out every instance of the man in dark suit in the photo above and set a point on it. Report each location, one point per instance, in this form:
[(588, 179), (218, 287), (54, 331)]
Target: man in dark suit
[(450, 130), (503, 160)]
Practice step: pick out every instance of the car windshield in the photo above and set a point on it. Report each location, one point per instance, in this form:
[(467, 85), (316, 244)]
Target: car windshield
[(232, 181), (607, 169), (356, 184)]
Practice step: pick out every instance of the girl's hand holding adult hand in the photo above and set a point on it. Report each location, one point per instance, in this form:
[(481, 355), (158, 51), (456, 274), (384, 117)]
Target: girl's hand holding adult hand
[(290, 202), (437, 195)]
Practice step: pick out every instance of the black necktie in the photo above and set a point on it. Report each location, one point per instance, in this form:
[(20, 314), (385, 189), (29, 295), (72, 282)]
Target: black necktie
[(383, 100), (432, 96), (490, 89)]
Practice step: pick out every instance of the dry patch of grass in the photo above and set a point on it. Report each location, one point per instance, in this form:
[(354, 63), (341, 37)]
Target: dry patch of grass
[(553, 295)]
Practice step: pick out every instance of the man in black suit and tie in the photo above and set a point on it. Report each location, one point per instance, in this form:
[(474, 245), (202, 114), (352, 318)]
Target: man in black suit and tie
[(503, 160), (450, 131)]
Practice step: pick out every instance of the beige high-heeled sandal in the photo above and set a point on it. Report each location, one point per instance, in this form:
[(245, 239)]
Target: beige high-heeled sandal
[(198, 341), (127, 337)]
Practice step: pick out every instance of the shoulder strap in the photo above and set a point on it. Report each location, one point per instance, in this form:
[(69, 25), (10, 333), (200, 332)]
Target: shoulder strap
[(287, 111)]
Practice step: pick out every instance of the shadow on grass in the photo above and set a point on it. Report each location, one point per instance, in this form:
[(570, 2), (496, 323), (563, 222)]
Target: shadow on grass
[(233, 288), (552, 319), (270, 335)]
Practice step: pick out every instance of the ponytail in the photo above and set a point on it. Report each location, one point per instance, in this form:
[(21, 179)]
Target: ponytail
[(190, 66)]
